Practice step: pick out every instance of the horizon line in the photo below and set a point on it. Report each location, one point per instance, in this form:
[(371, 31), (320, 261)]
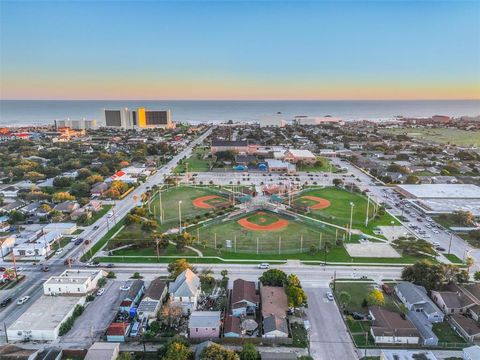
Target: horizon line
[(220, 99)]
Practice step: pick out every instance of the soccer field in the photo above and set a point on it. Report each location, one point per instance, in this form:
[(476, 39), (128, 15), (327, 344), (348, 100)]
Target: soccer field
[(338, 212), (276, 234)]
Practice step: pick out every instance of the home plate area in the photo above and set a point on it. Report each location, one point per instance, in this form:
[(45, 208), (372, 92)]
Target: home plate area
[(380, 250)]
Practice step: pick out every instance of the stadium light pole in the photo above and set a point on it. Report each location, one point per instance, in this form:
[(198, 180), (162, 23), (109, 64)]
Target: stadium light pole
[(180, 215), (368, 206), (351, 220)]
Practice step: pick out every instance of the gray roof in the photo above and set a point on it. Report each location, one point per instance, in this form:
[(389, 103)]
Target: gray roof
[(186, 284), (272, 323), (135, 288), (423, 326), (210, 319), (216, 142), (417, 296)]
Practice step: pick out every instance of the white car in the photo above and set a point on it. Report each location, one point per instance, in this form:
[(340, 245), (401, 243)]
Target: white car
[(19, 268), (100, 291), (59, 251), (436, 244), (23, 300), (264, 266), (125, 287), (329, 296)]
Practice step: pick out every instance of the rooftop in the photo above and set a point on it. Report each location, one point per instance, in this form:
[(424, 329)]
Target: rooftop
[(274, 301), (443, 191), (209, 319), (46, 313)]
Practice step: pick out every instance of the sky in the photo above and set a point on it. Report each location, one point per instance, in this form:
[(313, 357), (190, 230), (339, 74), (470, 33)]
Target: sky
[(239, 50)]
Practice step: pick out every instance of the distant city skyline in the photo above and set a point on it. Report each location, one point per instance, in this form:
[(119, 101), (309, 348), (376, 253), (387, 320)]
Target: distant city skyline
[(257, 50)]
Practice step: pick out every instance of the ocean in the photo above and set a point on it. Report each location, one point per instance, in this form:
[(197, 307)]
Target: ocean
[(40, 112)]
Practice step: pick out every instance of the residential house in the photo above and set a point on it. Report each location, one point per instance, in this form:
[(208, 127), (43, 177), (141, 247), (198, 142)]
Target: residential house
[(473, 291), (153, 299), (466, 326), (67, 207), (133, 295), (305, 156), (416, 299), (184, 291), (424, 327), (471, 353), (274, 310), (99, 189), (204, 325), (244, 298), (103, 351), (12, 206), (118, 331), (389, 327), (6, 244), (231, 327), (452, 300), (400, 354), (31, 208), (10, 191)]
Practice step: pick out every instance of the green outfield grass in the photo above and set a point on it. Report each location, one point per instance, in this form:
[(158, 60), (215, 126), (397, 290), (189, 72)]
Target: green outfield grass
[(170, 200), (286, 240), (338, 212)]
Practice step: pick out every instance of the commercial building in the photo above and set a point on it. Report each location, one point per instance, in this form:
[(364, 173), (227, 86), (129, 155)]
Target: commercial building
[(433, 199), (73, 282), (63, 228), (140, 118), (237, 146), (103, 351), (42, 320), (317, 120), (81, 124)]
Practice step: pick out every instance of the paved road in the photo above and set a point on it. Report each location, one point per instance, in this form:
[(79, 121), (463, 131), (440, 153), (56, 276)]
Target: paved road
[(329, 338), (387, 194)]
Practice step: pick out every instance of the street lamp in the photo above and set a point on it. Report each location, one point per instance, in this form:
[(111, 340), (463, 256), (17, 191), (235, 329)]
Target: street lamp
[(180, 215), (351, 219)]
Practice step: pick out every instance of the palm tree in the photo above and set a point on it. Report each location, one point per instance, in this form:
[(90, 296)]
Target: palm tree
[(469, 262)]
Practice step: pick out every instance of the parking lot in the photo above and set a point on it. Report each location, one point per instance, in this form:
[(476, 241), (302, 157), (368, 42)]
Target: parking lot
[(97, 316)]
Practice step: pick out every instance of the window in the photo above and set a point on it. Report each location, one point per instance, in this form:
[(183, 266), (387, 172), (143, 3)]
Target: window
[(196, 329)]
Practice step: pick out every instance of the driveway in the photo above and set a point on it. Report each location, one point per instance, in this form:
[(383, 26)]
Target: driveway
[(96, 317), (329, 338)]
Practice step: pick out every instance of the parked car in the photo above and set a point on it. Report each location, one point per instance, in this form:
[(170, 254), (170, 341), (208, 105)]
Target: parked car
[(330, 296), (100, 291), (387, 289), (92, 264), (264, 266), (78, 241), (110, 266), (2, 268), (5, 302), (95, 227), (59, 251), (45, 268), (23, 300), (358, 315), (125, 287)]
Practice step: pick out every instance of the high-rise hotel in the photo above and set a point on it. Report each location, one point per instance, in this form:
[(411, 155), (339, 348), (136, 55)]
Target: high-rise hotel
[(138, 119)]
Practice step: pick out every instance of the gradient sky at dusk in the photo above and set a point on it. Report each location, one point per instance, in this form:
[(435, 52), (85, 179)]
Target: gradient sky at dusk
[(239, 50)]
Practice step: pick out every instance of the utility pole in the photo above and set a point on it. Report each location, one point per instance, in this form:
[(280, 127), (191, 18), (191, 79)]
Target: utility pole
[(368, 205), (450, 243)]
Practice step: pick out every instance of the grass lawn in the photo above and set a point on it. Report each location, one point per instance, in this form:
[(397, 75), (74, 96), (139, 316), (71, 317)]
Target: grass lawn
[(170, 203), (358, 292), (299, 336), (63, 242), (338, 212), (453, 258), (446, 334), (171, 250), (102, 241), (196, 162), (285, 240), (323, 165), (442, 136)]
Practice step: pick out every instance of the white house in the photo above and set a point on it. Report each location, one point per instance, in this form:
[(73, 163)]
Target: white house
[(153, 298), (6, 244), (73, 282), (184, 291), (416, 299), (31, 250), (10, 191)]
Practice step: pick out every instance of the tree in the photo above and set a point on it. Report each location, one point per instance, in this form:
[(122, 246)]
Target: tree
[(462, 277), (62, 181), (149, 225), (296, 296), (375, 297), (464, 218), (185, 239), (344, 298), (62, 196), (15, 216), (125, 356), (178, 266), (412, 179), (177, 350), (249, 352), (476, 276), (170, 316), (217, 352), (80, 189), (337, 182), (224, 273), (93, 179), (429, 275), (293, 280), (469, 262), (273, 277)]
